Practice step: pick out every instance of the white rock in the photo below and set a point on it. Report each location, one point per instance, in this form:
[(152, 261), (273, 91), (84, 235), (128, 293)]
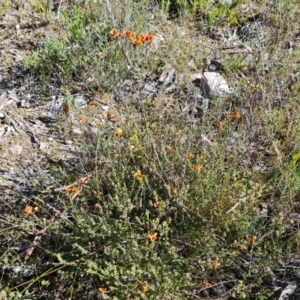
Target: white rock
[(217, 84), (212, 84), (289, 290)]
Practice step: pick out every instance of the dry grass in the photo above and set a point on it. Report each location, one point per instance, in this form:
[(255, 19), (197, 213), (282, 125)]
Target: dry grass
[(167, 202)]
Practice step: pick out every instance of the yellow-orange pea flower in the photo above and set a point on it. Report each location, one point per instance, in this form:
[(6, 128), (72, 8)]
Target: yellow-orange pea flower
[(237, 115), (73, 190), (139, 174), (222, 124), (191, 156), (118, 132), (139, 41), (169, 149), (198, 168), (144, 288), (253, 240), (28, 210), (207, 284), (129, 33), (148, 38), (115, 33), (102, 290), (152, 237), (217, 264), (159, 204)]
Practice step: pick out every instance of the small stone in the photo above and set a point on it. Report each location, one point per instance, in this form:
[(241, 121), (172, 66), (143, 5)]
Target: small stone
[(225, 2), (44, 146), (77, 132), (148, 89), (16, 149), (17, 270), (80, 102), (25, 104)]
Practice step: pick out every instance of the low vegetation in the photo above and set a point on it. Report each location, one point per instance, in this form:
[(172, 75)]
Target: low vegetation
[(171, 196)]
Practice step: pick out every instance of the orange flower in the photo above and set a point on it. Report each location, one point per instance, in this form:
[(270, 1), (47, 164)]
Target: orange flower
[(73, 190), (152, 237), (118, 132), (234, 115), (217, 264), (139, 41), (144, 288), (253, 240), (191, 156), (222, 124), (102, 290), (207, 284), (201, 157), (139, 174), (28, 210), (169, 149), (198, 168), (237, 115), (159, 204), (148, 38), (129, 33), (115, 33)]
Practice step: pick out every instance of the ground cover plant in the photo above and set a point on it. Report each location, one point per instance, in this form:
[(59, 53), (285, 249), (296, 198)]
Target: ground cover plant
[(167, 194)]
